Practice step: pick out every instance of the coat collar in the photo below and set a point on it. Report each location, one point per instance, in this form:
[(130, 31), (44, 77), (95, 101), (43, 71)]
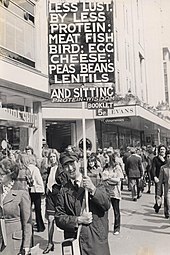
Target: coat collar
[(72, 192), (75, 196), (10, 196)]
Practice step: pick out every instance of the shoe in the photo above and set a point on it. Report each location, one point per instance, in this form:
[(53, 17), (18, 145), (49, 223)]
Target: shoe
[(116, 233), (148, 192), (139, 196), (50, 247), (41, 229), (166, 216), (135, 199), (156, 207)]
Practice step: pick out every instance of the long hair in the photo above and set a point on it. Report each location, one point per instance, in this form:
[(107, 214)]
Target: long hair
[(112, 161), (94, 159), (11, 168), (53, 151)]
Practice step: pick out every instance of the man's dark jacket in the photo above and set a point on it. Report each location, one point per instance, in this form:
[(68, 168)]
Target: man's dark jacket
[(93, 237)]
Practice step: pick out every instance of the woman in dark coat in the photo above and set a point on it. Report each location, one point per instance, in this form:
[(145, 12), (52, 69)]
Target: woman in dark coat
[(56, 177), (157, 163), (16, 209)]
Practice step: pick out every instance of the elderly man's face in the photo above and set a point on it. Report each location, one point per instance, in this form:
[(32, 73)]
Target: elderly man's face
[(73, 169), (162, 151)]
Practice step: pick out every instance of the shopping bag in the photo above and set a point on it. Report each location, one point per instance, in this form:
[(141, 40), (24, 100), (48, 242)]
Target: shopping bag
[(70, 247)]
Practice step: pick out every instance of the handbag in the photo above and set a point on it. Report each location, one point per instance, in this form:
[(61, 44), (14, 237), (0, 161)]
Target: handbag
[(141, 184)]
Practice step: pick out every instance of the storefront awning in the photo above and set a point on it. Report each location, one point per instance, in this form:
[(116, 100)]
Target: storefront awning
[(15, 118), (135, 117)]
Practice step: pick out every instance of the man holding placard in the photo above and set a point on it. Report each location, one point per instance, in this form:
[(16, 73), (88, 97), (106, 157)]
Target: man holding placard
[(73, 216)]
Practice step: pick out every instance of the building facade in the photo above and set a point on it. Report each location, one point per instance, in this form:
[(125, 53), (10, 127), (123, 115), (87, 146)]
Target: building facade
[(23, 73), (139, 83), (141, 68)]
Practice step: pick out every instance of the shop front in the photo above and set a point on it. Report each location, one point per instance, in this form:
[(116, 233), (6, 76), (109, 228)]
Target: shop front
[(131, 125), (63, 126), (58, 134), (14, 127)]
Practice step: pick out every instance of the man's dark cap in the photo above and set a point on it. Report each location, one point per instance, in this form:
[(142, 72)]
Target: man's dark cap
[(67, 157)]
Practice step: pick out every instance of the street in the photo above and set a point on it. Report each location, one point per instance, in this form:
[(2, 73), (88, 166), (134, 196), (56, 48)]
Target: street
[(143, 232)]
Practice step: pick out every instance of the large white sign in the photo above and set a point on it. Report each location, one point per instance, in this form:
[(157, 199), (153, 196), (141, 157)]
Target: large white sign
[(80, 42)]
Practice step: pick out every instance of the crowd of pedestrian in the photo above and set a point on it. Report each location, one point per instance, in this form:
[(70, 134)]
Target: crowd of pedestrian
[(55, 189)]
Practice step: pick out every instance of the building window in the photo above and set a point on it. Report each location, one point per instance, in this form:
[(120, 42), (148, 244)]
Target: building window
[(166, 82), (127, 25), (118, 81), (17, 39), (117, 46), (115, 5), (127, 84), (129, 58), (141, 58), (126, 57)]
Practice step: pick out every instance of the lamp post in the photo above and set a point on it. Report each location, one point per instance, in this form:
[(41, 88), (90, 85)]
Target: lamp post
[(159, 136)]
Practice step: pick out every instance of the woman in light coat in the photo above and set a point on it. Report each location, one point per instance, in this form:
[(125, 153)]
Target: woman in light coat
[(16, 209), (36, 189)]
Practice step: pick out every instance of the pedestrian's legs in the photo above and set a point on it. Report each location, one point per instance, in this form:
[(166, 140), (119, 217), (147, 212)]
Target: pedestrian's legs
[(36, 198), (128, 182), (50, 246), (116, 210), (166, 207), (132, 183), (121, 184), (50, 228), (149, 182), (156, 206), (43, 208), (139, 190)]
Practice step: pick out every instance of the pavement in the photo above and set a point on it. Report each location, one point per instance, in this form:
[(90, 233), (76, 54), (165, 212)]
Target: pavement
[(143, 232)]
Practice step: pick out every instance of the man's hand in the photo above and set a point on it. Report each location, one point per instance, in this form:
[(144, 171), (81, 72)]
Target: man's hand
[(86, 218), (105, 175), (156, 180), (88, 184)]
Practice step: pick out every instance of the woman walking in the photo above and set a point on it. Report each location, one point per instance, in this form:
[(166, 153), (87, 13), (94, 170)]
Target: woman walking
[(15, 208), (112, 177), (56, 177)]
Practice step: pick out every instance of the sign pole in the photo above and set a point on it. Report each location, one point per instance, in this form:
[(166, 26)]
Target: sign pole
[(85, 152)]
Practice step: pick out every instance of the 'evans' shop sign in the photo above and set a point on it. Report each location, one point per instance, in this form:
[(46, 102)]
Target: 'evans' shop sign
[(122, 111), (80, 42)]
